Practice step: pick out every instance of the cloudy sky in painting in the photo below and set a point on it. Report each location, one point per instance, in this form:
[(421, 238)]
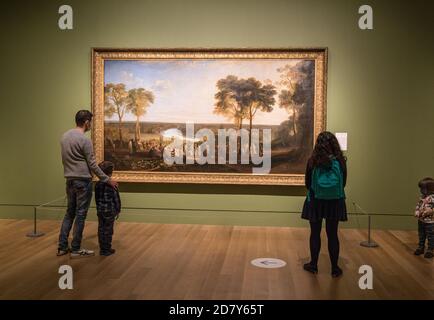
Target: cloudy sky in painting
[(184, 89)]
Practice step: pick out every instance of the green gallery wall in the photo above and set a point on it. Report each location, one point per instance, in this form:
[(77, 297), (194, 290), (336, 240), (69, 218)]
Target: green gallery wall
[(380, 91)]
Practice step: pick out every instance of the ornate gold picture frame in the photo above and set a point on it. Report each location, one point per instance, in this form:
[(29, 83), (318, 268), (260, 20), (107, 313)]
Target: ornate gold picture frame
[(141, 97)]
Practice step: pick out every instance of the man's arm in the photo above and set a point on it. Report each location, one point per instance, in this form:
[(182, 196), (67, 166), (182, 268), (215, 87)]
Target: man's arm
[(91, 162)]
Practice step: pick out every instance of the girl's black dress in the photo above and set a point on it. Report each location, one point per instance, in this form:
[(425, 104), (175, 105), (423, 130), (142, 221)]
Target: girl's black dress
[(317, 209)]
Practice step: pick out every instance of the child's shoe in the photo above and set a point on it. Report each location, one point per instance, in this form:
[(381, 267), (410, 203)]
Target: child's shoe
[(107, 253), (419, 251), (62, 252), (429, 254)]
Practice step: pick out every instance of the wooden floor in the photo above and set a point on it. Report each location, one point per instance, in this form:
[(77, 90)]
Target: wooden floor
[(161, 261)]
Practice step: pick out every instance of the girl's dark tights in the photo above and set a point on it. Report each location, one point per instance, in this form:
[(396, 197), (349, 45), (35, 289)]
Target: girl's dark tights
[(333, 241)]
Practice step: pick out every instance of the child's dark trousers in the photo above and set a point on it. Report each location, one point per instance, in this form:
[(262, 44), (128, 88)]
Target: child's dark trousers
[(105, 230), (426, 232)]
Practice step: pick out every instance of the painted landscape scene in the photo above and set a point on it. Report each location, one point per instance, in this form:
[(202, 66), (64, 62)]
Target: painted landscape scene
[(147, 104)]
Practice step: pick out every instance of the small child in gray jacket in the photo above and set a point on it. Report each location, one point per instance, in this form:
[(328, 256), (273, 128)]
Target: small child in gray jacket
[(424, 212)]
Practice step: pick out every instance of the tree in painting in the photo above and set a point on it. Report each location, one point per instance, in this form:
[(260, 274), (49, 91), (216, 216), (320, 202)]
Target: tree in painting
[(297, 95), (115, 102), (227, 103), (257, 97), (139, 100), (239, 99)]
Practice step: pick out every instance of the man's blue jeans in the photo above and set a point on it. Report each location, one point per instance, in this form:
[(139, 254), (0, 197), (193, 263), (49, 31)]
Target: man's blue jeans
[(79, 195)]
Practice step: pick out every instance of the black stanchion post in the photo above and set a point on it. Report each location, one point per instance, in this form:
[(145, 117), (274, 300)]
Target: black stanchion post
[(35, 233)]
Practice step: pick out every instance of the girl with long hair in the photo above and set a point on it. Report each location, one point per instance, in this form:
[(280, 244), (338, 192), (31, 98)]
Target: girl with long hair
[(326, 175)]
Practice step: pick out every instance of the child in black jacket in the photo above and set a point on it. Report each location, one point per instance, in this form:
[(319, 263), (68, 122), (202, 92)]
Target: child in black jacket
[(108, 206)]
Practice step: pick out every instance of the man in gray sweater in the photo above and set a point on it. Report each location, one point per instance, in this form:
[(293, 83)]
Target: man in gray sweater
[(78, 163)]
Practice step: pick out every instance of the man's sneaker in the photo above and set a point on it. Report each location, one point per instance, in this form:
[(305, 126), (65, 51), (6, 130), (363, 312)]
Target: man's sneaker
[(62, 252), (82, 253), (107, 252), (429, 254), (419, 251)]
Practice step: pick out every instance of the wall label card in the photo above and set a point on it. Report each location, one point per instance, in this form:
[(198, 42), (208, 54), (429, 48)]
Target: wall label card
[(342, 138)]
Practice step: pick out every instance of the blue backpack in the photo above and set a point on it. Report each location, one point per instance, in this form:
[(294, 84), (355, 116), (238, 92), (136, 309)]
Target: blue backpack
[(328, 182)]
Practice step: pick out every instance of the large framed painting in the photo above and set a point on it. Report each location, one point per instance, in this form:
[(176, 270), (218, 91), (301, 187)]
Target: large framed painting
[(221, 116)]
